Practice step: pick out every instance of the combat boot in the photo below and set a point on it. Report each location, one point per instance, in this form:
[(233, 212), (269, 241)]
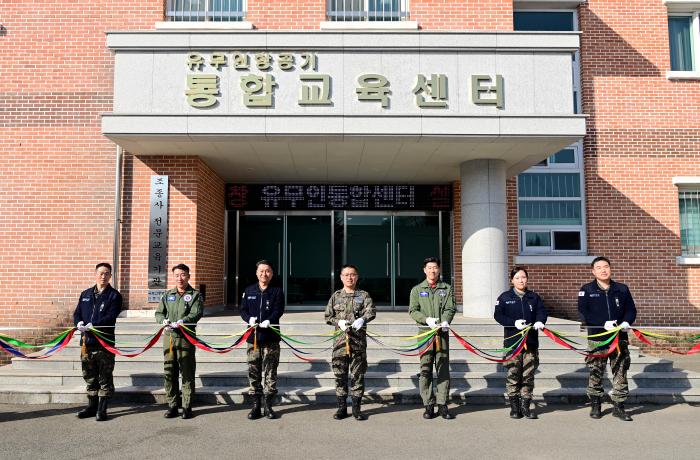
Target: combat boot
[(171, 412), (187, 413), (91, 408), (102, 409), (525, 409), (255, 411), (619, 412), (342, 411), (595, 407), (429, 412), (357, 408), (445, 413), (267, 407), (515, 407)]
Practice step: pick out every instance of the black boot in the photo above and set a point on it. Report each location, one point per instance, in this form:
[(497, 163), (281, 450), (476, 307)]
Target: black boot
[(342, 411), (357, 408), (267, 407), (91, 408), (445, 413), (187, 413), (255, 411), (102, 409), (515, 407), (429, 412), (619, 412), (171, 412), (525, 408), (595, 407)]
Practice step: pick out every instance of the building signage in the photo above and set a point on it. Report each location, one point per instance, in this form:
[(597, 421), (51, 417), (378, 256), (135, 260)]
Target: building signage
[(257, 82), (158, 238), (253, 197)]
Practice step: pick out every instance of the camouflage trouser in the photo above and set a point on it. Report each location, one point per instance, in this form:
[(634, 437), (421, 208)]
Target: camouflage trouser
[(441, 360), (180, 361), (619, 364), (350, 368), (98, 365), (262, 368), (520, 379)]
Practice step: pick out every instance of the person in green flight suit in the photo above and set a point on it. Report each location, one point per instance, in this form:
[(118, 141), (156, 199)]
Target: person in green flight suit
[(432, 304), (179, 306)]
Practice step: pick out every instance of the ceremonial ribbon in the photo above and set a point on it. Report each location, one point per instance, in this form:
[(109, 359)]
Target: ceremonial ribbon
[(471, 348), (641, 336), (58, 344), (129, 354), (190, 336), (613, 346)]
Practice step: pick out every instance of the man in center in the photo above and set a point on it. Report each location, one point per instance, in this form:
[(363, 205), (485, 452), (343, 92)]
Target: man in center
[(350, 309), (432, 304)]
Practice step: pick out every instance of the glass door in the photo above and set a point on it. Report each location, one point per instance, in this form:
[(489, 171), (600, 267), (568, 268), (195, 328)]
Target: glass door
[(368, 246), (415, 238), (260, 237), (309, 259)]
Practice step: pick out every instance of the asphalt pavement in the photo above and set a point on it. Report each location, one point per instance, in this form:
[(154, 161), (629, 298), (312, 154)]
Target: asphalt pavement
[(309, 432)]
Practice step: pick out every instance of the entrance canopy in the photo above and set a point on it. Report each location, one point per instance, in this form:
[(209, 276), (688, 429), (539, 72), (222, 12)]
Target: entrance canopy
[(349, 107)]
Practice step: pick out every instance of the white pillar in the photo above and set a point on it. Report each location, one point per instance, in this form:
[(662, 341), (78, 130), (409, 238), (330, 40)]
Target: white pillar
[(484, 236)]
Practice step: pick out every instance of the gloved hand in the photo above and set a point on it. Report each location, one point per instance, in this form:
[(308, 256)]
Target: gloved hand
[(166, 323), (609, 325), (358, 323), (176, 324), (445, 326), (265, 323), (538, 325), (520, 324), (431, 322), (342, 324), (252, 320), (625, 326), (81, 327)]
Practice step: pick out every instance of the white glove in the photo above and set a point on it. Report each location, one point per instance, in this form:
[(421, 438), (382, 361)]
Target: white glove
[(358, 323), (177, 324), (342, 324), (265, 323), (252, 320), (166, 323), (625, 326), (445, 326), (81, 326), (609, 325), (431, 322), (88, 326), (538, 325), (520, 324)]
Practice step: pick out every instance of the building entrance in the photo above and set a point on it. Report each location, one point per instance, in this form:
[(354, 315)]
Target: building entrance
[(307, 249)]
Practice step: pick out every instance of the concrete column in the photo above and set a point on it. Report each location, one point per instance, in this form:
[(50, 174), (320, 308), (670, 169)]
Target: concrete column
[(484, 247)]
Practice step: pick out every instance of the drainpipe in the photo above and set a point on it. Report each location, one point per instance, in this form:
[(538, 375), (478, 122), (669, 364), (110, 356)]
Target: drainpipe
[(117, 217)]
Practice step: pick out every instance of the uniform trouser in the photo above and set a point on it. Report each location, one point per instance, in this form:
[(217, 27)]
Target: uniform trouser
[(520, 377), (98, 365), (262, 368), (441, 360), (619, 364), (350, 369), (180, 361)]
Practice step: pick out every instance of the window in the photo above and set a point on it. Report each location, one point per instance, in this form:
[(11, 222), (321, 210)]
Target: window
[(367, 10), (550, 205), (681, 41), (689, 203), (205, 10)]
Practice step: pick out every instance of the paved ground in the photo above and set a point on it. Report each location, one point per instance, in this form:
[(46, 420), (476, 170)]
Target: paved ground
[(308, 432)]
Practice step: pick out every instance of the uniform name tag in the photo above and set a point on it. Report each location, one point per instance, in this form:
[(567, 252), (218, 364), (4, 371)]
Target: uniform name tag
[(424, 294), (85, 299), (594, 295), (510, 302), (172, 298), (252, 297), (358, 299)]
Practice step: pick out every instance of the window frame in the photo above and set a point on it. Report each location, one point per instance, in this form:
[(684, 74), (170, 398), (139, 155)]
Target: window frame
[(172, 15), (692, 11), (363, 16), (685, 184)]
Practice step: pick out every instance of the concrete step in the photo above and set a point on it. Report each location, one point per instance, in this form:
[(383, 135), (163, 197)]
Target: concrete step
[(579, 379), (14, 394), (236, 361)]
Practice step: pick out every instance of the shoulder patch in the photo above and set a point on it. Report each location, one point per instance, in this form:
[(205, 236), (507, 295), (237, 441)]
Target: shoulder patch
[(581, 293), (442, 293), (187, 298)]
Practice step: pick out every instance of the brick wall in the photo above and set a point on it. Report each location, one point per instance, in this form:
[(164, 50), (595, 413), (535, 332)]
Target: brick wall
[(462, 14)]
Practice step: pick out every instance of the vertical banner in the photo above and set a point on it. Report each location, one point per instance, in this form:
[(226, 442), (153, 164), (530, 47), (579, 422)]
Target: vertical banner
[(158, 239)]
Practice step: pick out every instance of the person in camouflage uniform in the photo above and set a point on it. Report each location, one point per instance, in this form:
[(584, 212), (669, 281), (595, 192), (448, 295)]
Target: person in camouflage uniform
[(432, 303), (262, 305), (608, 303), (98, 307), (182, 305), (350, 309), (515, 310)]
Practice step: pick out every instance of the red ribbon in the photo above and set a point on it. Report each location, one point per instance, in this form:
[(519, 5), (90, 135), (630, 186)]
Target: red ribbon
[(469, 347), (641, 337), (116, 351)]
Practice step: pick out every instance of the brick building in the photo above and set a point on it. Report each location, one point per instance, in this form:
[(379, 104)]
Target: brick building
[(568, 129)]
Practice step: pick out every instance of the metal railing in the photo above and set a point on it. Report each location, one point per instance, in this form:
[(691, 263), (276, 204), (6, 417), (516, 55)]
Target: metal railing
[(205, 10), (367, 10)]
